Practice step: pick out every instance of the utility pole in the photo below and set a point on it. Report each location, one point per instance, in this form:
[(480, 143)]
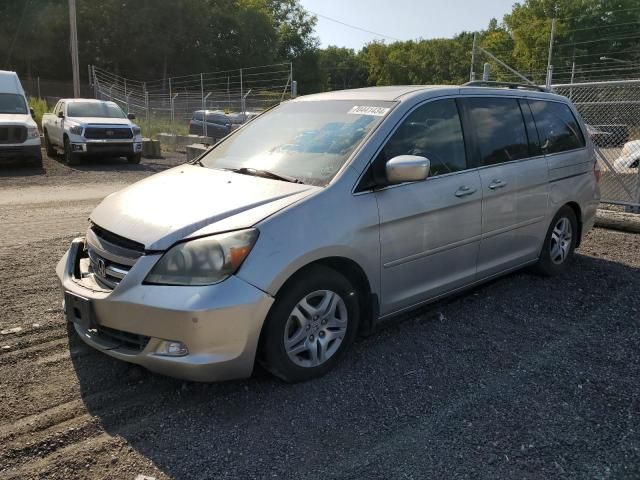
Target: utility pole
[(472, 74), (74, 48), (549, 66)]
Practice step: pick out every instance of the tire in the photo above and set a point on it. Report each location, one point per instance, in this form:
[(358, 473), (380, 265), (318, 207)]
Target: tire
[(69, 157), (51, 152), (329, 331), (134, 158), (555, 256)]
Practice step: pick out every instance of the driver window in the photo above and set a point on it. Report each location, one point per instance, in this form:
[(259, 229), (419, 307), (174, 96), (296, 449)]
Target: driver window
[(433, 131)]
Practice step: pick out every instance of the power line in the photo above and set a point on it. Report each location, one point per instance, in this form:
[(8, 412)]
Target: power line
[(600, 27), (354, 27), (598, 40)]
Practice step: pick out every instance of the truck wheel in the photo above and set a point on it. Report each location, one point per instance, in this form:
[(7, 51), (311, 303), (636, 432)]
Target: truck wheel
[(135, 158), (47, 145), (69, 157)]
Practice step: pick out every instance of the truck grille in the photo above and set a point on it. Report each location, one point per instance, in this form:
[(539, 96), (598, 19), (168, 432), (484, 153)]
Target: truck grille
[(110, 256), (13, 134), (108, 133)]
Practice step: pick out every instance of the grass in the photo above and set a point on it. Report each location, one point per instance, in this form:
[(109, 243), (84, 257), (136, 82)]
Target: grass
[(40, 107), (154, 126)]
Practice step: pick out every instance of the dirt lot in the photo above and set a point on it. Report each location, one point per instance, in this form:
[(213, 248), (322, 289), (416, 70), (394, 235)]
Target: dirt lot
[(522, 378)]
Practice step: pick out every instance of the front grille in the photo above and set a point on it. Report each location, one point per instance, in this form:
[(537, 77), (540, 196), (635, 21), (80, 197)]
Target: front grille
[(13, 134), (110, 256), (108, 133), (121, 339), (110, 148)]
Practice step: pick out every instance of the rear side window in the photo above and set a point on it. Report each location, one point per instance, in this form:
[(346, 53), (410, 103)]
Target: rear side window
[(198, 116), (499, 128), (557, 126), (218, 119)]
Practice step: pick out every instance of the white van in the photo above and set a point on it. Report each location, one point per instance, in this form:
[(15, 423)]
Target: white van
[(19, 136)]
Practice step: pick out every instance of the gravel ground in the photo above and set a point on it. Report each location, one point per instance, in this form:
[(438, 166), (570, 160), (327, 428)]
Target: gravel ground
[(525, 377)]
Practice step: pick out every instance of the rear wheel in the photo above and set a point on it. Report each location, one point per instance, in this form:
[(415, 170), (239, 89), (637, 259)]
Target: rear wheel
[(559, 244), (312, 322), (135, 158), (69, 157)]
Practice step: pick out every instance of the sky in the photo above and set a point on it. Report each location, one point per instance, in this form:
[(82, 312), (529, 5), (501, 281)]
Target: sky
[(401, 19)]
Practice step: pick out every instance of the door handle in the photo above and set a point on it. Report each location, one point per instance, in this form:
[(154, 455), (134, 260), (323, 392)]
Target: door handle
[(495, 184), (465, 190)]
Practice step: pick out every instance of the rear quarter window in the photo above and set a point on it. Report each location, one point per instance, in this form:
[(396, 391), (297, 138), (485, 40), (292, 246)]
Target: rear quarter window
[(558, 128)]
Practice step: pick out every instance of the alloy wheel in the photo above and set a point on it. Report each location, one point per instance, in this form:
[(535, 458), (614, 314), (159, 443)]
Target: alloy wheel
[(561, 237)]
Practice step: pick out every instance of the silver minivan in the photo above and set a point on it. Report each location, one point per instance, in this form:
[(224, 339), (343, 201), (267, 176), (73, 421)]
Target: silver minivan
[(324, 216)]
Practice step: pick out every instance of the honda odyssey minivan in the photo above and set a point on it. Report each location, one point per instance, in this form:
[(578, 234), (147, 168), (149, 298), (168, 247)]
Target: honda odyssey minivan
[(324, 216)]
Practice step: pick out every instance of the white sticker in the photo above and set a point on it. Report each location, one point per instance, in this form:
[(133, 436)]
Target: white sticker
[(368, 110)]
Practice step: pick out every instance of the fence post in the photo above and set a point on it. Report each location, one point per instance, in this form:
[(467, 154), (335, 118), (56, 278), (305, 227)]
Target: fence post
[(204, 115), (146, 109), (38, 80), (93, 76), (241, 91), (472, 74), (228, 96), (549, 66), (173, 99)]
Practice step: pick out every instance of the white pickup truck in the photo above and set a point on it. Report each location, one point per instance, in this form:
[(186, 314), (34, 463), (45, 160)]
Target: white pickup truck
[(87, 127)]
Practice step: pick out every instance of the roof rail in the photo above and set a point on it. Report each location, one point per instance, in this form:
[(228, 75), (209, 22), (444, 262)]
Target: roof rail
[(515, 86)]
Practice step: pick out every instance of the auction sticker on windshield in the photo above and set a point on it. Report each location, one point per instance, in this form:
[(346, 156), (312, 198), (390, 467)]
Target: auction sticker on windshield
[(369, 110)]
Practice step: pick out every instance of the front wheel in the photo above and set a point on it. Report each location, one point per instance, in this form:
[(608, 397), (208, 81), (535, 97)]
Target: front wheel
[(312, 322), (135, 158), (559, 244), (69, 157)]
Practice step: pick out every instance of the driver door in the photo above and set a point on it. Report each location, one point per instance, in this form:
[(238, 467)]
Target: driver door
[(429, 230)]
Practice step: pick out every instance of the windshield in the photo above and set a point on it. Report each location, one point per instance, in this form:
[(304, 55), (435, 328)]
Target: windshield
[(12, 103), (94, 109), (309, 141)]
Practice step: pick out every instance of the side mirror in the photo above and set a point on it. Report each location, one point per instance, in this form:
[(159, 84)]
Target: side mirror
[(407, 168), (33, 113), (60, 114), (131, 116)]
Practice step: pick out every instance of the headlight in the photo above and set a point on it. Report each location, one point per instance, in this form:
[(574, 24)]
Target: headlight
[(76, 130), (32, 132), (136, 130), (203, 261)]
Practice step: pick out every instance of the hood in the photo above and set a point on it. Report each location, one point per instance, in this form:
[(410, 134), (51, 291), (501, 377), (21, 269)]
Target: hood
[(190, 200), (16, 118), (100, 121)]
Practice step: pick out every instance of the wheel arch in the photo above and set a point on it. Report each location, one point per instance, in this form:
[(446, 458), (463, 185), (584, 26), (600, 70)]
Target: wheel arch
[(578, 213), (356, 276)]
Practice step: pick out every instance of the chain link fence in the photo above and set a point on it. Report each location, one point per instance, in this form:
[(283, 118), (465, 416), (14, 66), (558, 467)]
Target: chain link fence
[(611, 111), (167, 105)]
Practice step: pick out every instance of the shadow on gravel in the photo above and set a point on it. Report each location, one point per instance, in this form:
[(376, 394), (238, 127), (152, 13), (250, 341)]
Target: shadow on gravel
[(20, 169), (111, 164), (525, 377)]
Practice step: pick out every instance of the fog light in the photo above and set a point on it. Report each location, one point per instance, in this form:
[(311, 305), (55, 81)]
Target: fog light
[(172, 349), (77, 147)]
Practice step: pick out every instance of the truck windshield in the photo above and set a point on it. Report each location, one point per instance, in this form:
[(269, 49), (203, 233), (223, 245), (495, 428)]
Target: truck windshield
[(94, 109), (305, 140), (12, 103)]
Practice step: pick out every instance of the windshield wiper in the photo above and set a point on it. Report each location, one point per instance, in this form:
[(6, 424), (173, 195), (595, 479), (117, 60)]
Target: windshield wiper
[(264, 173)]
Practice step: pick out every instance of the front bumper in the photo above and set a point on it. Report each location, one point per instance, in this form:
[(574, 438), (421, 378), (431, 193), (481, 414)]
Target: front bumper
[(220, 324), (114, 148), (20, 151)]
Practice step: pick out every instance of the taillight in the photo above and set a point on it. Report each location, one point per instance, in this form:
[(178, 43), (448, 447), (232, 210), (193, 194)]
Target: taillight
[(596, 171)]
